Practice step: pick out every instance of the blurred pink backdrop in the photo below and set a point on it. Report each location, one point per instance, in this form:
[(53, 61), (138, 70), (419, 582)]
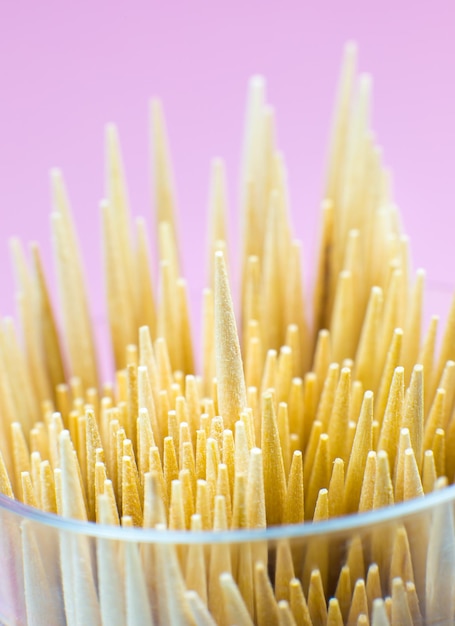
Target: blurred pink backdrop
[(68, 68)]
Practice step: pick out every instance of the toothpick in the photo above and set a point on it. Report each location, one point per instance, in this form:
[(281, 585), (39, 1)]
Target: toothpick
[(298, 603), (39, 600), (284, 571), (343, 591), (195, 574), (367, 492), (401, 564), (273, 466), (138, 611), (393, 417), (316, 599), (339, 416), (335, 490), (164, 195), (413, 415), (265, 602), (359, 603), (229, 369), (112, 603), (379, 614), (294, 504), (361, 446), (400, 608), (373, 586), (334, 617)]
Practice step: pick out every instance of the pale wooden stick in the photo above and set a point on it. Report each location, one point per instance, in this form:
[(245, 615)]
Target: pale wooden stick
[(398, 480), (413, 323), (121, 320), (447, 383), (73, 501), (265, 602), (76, 321), (168, 313), (21, 455), (220, 562), (356, 559), (154, 509), (223, 489), (251, 305), (27, 492), (335, 490), (295, 312), (327, 397), (186, 357), (334, 617), (429, 475), (51, 340), (439, 451), (131, 504), (373, 586), (359, 603), (339, 417), (413, 414), (272, 287), (393, 417), (255, 501), (200, 615), (379, 614), (342, 322), (340, 124), (343, 591), (138, 611), (298, 603), (322, 359), (294, 504), (325, 272), (164, 199), (316, 599), (400, 608), (110, 574), (229, 369), (412, 482), (29, 312), (252, 167), (170, 587), (285, 616), (203, 504), (390, 317), (195, 574), (366, 355), (367, 492), (361, 446), (117, 195), (39, 599), (392, 362), (316, 431), (273, 466), (146, 310), (413, 601), (320, 475), (446, 352), (5, 483), (401, 563), (218, 209), (426, 357), (284, 571)]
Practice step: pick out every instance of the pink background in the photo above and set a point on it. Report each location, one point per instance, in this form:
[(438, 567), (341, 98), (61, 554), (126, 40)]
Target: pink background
[(67, 68)]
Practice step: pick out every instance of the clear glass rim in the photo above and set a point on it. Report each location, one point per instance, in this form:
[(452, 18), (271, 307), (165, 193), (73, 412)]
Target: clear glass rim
[(344, 524)]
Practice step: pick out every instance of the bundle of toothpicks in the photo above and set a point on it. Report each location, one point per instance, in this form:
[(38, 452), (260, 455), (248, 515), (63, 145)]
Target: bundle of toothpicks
[(302, 408)]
